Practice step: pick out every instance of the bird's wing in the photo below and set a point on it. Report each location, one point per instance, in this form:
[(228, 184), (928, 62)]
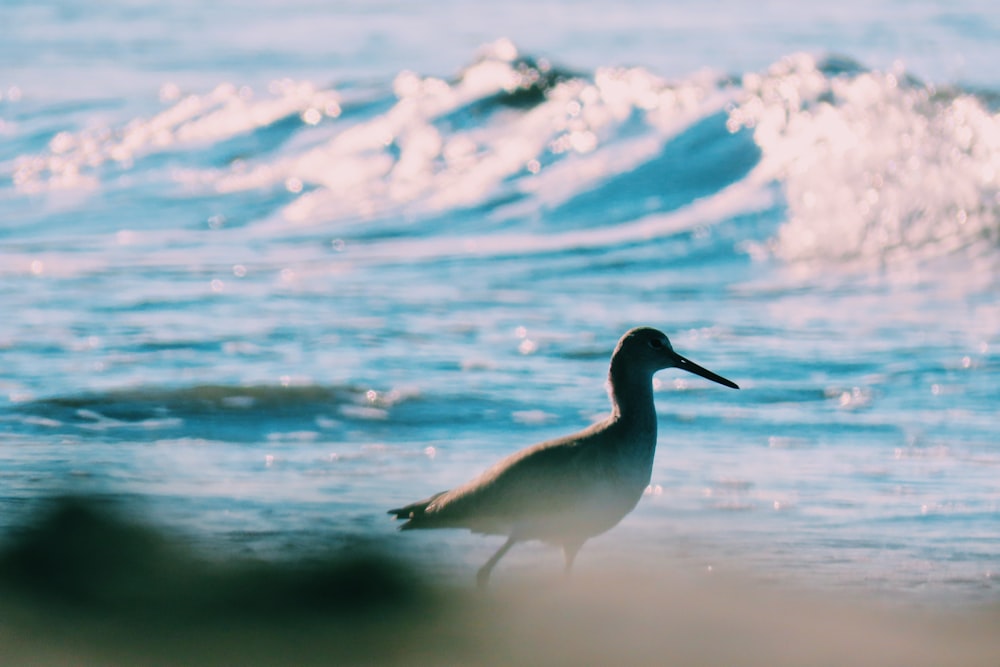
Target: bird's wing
[(547, 479)]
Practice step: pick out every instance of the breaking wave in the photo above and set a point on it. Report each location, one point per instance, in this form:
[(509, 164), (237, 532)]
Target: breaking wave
[(871, 166)]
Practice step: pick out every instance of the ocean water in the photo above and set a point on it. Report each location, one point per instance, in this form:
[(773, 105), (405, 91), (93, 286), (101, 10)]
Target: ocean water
[(269, 269)]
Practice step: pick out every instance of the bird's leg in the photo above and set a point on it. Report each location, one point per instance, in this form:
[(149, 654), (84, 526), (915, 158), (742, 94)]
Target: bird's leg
[(483, 576), (570, 549)]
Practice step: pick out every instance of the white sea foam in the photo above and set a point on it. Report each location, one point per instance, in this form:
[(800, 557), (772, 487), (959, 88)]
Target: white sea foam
[(411, 155), (562, 145), (196, 119), (874, 166)]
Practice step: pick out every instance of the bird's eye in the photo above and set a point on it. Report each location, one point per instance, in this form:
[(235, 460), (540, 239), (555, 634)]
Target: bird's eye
[(656, 343)]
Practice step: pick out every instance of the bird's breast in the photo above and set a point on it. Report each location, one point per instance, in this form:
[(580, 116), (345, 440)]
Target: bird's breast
[(632, 454)]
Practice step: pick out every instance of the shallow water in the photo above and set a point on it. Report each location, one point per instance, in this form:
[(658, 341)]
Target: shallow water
[(270, 271)]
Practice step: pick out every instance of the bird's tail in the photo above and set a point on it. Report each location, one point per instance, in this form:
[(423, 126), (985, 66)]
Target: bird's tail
[(413, 513)]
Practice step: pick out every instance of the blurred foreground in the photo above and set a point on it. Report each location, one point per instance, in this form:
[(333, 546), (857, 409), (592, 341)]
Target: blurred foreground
[(82, 584)]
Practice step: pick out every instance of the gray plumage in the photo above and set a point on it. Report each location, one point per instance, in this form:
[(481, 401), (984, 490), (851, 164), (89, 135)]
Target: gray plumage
[(567, 490)]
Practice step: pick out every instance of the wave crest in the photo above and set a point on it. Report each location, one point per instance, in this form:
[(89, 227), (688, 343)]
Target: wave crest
[(874, 165)]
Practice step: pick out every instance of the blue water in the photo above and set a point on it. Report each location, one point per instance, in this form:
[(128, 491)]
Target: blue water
[(269, 269)]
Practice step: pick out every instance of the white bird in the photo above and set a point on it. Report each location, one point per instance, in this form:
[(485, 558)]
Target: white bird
[(567, 490)]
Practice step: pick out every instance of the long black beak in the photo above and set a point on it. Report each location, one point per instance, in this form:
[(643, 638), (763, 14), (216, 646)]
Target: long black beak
[(691, 367)]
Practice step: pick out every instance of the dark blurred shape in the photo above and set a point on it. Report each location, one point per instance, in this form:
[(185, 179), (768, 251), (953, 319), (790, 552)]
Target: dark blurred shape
[(534, 80), (85, 554), (78, 553)]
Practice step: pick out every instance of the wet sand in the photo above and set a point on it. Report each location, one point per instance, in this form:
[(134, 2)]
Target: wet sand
[(81, 585)]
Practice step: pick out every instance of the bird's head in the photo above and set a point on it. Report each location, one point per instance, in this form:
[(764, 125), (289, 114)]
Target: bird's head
[(650, 350)]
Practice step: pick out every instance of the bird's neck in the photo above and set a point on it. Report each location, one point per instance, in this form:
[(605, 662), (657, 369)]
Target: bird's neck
[(632, 399)]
